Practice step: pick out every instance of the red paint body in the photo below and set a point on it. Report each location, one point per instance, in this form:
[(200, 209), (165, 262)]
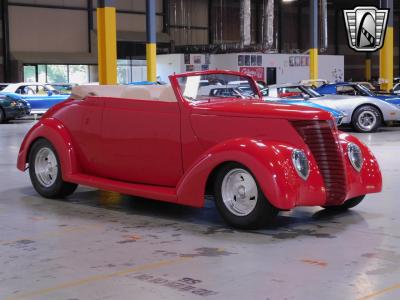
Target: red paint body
[(167, 150)]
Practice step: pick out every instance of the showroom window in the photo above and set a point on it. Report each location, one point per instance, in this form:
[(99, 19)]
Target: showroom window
[(128, 70), (52, 73)]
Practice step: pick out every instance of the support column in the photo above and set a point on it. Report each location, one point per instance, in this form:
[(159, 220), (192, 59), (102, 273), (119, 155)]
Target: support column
[(5, 42), (386, 53), (245, 26), (107, 41), (368, 67), (313, 39), (151, 46)]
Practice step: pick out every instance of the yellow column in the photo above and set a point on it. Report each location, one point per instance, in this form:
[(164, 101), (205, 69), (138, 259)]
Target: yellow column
[(386, 61), (313, 39), (151, 46), (151, 56), (107, 45), (368, 69), (313, 64)]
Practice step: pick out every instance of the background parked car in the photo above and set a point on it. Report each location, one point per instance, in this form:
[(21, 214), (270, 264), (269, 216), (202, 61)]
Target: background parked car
[(3, 86), (40, 96), (12, 108), (365, 114), (313, 83), (356, 89), (61, 88)]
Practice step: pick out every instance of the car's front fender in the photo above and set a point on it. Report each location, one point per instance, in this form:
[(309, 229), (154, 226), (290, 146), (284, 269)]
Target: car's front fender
[(57, 134), (271, 164), (369, 179)]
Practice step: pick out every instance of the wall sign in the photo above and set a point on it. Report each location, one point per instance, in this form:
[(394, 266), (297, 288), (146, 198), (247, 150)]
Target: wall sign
[(256, 72)]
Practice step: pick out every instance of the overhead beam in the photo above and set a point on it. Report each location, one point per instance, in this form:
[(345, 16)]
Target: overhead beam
[(151, 46), (120, 11), (107, 41), (386, 52)]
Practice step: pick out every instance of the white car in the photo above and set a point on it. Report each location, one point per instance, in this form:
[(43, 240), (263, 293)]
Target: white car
[(365, 114), (29, 88)]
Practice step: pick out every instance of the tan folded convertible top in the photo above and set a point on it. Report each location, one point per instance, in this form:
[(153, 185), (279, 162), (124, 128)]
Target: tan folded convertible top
[(151, 92)]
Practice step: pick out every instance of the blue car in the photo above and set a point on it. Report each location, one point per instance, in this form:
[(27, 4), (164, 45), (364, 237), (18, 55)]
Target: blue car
[(355, 89), (336, 114), (40, 96)]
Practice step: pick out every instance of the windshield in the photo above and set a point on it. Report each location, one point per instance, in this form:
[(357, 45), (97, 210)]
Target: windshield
[(211, 86), (354, 90), (365, 91), (297, 91)]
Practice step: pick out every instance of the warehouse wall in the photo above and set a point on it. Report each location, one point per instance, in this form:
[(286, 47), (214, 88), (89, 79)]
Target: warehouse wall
[(49, 30), (189, 22), (64, 30), (331, 66)]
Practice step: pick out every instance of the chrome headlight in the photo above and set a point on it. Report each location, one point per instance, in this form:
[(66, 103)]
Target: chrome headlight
[(300, 163), (355, 156)]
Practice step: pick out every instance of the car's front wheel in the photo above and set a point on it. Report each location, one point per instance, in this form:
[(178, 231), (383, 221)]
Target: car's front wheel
[(45, 171), (367, 119), (240, 200), (346, 205)]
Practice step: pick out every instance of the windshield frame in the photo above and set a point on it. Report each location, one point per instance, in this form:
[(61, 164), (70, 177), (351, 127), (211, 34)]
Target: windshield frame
[(174, 79), (364, 89)]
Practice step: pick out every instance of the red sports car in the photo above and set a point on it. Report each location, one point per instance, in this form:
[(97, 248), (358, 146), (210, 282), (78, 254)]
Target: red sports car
[(178, 142)]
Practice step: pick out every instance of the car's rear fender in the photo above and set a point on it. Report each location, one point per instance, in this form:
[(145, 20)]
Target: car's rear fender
[(271, 164), (57, 134)]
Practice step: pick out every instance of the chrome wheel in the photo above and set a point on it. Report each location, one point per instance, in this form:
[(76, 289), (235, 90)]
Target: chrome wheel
[(239, 192), (46, 167), (367, 120)]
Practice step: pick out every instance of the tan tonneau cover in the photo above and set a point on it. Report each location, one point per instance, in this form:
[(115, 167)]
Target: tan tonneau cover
[(150, 92)]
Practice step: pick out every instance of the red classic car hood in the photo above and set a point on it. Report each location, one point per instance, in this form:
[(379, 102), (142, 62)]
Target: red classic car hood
[(257, 108)]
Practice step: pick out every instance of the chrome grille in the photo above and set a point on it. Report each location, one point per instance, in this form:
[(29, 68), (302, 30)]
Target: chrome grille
[(327, 153)]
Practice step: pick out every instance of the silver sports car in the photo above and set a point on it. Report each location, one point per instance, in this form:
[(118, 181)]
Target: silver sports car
[(365, 114)]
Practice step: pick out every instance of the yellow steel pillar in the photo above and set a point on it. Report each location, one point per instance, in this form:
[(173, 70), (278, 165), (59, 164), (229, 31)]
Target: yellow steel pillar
[(314, 39), (151, 46), (368, 66), (386, 53), (107, 41)]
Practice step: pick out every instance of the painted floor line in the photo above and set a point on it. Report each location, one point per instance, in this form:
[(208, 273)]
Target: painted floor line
[(380, 292), (95, 278), (52, 233)]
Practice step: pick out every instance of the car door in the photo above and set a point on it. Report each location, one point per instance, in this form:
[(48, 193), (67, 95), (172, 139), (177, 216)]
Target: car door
[(141, 141)]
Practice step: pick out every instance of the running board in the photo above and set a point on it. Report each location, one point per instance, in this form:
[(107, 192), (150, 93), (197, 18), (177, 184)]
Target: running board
[(141, 190)]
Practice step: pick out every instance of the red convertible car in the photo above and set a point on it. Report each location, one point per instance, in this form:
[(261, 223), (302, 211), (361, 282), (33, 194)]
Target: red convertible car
[(177, 142)]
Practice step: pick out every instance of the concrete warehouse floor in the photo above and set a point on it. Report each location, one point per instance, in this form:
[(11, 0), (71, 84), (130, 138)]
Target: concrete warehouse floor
[(102, 245)]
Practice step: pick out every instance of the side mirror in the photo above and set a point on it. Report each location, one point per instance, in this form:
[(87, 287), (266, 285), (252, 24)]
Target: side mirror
[(49, 93), (306, 97)]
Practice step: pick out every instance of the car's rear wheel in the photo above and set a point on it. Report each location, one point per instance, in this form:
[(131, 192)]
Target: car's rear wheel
[(346, 205), (45, 171), (367, 119), (240, 200)]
